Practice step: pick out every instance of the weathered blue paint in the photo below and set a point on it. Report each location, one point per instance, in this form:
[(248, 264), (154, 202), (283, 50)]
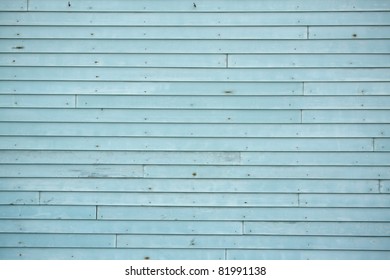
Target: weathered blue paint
[(152, 129)]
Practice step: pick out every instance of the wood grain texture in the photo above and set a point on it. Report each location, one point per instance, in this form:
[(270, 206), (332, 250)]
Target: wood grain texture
[(198, 144), (208, 5), (255, 242), (318, 228), (152, 88), (195, 18), (306, 255), (110, 253), (269, 214), (299, 46), (169, 199), (47, 212), (279, 185), (195, 130), (110, 228), (198, 32), (57, 240), (195, 75), (214, 129)]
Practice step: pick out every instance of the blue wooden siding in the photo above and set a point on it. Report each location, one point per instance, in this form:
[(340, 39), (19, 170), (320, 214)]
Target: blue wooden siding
[(207, 129)]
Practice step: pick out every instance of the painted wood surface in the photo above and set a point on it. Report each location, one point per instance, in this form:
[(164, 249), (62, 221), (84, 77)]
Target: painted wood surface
[(189, 185), (214, 129), (189, 18)]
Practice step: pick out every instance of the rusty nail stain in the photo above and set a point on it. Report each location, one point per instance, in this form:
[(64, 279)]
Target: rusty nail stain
[(194, 174), (18, 47), (194, 5), (354, 35), (146, 258), (69, 4)]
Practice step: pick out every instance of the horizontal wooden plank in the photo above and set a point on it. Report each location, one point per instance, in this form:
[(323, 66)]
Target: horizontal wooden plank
[(254, 242), (193, 46), (312, 172), (191, 60), (185, 254), (190, 185), (155, 32), (47, 212), (41, 101), (156, 88), (208, 5), (63, 171), (193, 74), (345, 116), (348, 214), (13, 5), (16, 198), (114, 60), (118, 157), (168, 199), (303, 60), (184, 144), (308, 158), (345, 88), (382, 144), (344, 32), (269, 18), (344, 200), (150, 115), (318, 228), (109, 254), (57, 240), (198, 158), (193, 130), (121, 227), (233, 102), (306, 255)]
